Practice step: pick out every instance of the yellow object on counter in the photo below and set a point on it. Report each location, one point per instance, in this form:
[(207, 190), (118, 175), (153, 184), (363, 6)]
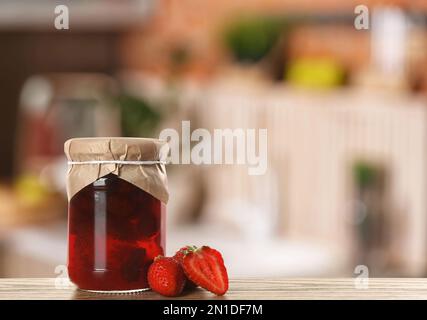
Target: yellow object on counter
[(315, 73)]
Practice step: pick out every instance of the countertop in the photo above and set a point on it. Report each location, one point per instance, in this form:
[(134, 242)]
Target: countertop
[(240, 289)]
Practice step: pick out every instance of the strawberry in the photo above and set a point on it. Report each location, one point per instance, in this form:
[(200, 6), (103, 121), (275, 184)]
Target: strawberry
[(179, 257), (165, 276), (205, 267), (180, 254)]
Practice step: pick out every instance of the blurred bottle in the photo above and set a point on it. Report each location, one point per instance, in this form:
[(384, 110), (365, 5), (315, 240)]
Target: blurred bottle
[(53, 108)]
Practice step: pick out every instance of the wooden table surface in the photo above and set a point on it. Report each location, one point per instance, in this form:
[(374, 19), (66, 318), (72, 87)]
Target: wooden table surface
[(242, 289)]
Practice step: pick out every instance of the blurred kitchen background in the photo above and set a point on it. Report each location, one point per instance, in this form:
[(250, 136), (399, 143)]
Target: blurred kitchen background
[(345, 109)]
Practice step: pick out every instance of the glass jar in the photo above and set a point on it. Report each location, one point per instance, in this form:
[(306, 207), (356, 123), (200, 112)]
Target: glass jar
[(116, 228)]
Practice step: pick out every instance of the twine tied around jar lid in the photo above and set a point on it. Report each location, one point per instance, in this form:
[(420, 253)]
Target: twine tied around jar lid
[(139, 161)]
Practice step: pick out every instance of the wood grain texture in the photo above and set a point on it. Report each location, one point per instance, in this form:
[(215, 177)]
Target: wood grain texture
[(240, 289)]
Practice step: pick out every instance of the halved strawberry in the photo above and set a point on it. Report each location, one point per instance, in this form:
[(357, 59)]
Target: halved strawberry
[(179, 257), (180, 254), (205, 267)]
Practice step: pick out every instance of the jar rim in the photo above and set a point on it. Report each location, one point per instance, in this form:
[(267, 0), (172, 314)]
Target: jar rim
[(114, 148), (114, 138)]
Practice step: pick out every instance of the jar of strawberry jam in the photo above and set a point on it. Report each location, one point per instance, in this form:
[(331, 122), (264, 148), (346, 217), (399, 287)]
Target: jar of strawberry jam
[(117, 190)]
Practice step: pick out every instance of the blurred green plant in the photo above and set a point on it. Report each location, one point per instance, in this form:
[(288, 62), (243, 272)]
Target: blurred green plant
[(180, 56), (139, 118), (364, 174), (251, 38)]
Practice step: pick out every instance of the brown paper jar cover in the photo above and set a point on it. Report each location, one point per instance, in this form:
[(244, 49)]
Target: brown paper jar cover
[(149, 177)]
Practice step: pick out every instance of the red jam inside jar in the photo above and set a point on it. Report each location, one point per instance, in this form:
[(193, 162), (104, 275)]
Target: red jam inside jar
[(115, 231)]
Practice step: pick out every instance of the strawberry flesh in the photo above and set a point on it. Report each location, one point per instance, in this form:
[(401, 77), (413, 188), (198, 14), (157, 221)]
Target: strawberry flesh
[(179, 257), (205, 267)]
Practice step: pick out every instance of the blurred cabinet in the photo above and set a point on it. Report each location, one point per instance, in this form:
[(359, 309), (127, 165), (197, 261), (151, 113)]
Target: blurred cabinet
[(25, 53), (315, 138)]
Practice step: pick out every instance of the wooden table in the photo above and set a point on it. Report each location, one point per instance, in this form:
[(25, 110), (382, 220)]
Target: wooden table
[(242, 289)]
